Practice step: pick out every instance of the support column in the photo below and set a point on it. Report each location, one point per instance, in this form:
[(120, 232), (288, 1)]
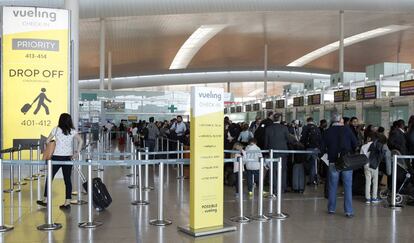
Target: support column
[(265, 72), (341, 41), (102, 56), (359, 111), (308, 112), (321, 112), (294, 111), (73, 7), (385, 115), (109, 70), (410, 106), (228, 87)]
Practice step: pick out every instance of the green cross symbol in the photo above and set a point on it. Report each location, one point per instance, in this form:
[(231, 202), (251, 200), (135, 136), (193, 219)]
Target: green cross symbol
[(172, 108)]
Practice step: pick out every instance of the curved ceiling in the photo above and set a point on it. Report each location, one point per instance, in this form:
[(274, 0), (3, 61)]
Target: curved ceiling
[(144, 36)]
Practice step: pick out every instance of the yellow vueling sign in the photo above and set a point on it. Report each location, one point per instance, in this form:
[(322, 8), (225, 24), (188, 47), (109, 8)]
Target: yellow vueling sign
[(206, 166), (35, 72)]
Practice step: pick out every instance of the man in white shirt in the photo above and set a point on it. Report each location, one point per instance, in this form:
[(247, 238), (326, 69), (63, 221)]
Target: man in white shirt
[(179, 128)]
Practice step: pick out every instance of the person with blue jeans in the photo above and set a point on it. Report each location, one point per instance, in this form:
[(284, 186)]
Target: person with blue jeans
[(339, 139)]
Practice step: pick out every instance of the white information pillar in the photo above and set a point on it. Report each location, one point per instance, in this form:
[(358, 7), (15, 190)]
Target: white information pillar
[(265, 72), (341, 41), (109, 70), (102, 56), (73, 6)]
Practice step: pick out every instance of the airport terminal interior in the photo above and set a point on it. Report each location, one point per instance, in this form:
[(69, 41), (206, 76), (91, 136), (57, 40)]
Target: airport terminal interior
[(207, 121)]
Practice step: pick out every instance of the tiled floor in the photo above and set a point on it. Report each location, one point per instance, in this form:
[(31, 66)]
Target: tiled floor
[(123, 222)]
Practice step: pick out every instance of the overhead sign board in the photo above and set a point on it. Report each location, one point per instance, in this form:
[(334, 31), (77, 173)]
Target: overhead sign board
[(314, 99), (342, 96), (256, 107), (298, 101), (35, 72), (280, 104), (248, 108), (269, 105), (238, 109), (366, 93), (407, 88)]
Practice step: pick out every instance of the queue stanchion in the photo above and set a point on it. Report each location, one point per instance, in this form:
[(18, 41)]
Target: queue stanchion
[(134, 184), (160, 221), (31, 177), (260, 216), (240, 218), (182, 164), (19, 182), (279, 214), (3, 227), (49, 225), (39, 176), (179, 165), (140, 200), (38, 170), (91, 223), (100, 167), (79, 200), (131, 172), (147, 187), (393, 203), (271, 193), (11, 180)]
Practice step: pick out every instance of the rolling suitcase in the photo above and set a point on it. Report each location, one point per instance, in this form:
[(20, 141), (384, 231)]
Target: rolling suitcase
[(26, 107), (101, 197), (298, 177)]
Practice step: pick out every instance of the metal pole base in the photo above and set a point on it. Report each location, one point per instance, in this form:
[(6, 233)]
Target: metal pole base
[(33, 178), (133, 186), (147, 189), (395, 207), (90, 225), (53, 226), (140, 203), (21, 183), (5, 228), (12, 190), (160, 222), (239, 219), (279, 216), (261, 218), (78, 202)]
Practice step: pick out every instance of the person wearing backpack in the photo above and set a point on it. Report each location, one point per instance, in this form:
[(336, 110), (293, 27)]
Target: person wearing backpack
[(373, 150), (311, 138)]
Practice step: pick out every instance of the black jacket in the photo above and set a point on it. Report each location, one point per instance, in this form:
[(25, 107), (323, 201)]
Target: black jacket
[(339, 139), (276, 137), (410, 142), (259, 134), (398, 141)]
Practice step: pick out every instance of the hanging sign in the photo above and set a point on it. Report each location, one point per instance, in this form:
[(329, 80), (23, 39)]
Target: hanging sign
[(35, 72)]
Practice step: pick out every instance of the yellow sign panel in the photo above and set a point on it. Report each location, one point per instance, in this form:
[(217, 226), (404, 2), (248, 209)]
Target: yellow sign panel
[(35, 72), (206, 166)]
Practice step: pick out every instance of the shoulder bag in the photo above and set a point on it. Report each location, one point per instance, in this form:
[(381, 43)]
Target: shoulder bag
[(50, 148), (349, 161)]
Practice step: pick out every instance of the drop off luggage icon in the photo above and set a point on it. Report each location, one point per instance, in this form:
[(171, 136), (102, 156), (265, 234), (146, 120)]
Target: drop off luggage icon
[(26, 108)]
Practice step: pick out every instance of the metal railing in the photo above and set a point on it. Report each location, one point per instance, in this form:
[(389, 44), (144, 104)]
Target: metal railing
[(393, 204)]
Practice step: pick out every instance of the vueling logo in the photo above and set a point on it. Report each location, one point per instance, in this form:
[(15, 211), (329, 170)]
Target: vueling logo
[(35, 14)]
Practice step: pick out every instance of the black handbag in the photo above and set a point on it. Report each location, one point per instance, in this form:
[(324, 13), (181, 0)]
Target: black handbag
[(349, 161)]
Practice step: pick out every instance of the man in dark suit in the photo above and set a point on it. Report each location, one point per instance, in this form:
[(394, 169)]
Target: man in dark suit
[(259, 134), (397, 139), (277, 138)]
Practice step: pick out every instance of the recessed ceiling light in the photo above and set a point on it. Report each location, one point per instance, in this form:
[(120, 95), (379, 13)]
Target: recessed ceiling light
[(347, 42), (193, 44)]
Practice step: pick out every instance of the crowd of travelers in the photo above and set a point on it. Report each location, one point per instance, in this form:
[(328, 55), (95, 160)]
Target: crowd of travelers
[(327, 142), (324, 141)]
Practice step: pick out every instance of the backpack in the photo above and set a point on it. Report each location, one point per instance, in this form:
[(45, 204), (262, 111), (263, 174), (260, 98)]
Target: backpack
[(313, 137), (376, 154)]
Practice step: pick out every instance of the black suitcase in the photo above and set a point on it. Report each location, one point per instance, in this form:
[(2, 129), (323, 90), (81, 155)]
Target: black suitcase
[(298, 177), (101, 197), (26, 108)]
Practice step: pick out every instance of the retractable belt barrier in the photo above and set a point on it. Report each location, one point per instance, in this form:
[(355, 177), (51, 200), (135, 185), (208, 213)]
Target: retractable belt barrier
[(136, 162)]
